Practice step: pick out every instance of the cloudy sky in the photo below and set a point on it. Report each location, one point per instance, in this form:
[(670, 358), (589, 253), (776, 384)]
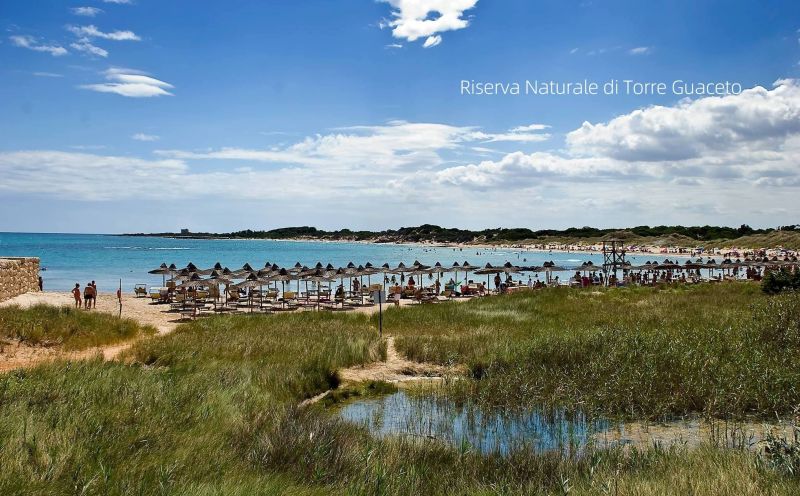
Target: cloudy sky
[(151, 115)]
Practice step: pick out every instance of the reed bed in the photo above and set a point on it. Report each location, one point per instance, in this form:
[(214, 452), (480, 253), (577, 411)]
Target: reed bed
[(212, 409), (641, 353)]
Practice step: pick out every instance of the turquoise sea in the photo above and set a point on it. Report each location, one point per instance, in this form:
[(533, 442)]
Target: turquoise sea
[(70, 258)]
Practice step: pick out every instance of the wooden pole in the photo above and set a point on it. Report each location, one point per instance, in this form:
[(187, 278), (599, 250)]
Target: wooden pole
[(380, 315)]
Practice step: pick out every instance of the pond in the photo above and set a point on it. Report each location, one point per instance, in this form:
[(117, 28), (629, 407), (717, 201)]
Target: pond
[(435, 417), (430, 416)]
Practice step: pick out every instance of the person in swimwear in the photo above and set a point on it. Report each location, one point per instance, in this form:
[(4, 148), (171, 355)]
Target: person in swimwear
[(76, 292)]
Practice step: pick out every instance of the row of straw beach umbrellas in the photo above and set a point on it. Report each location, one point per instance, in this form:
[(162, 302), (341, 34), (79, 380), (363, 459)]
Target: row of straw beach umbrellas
[(250, 277)]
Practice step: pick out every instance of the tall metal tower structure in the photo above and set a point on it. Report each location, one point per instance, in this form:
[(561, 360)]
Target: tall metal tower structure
[(613, 256)]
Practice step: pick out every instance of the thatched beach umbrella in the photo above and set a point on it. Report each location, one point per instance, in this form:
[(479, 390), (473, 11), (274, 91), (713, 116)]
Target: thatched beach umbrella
[(385, 269), (318, 275), (283, 276), (246, 270), (419, 269), (339, 274), (689, 265), (467, 268), (182, 275), (548, 268), (252, 281), (217, 266), (193, 280), (218, 277), (402, 270), (163, 269), (667, 265), (489, 269)]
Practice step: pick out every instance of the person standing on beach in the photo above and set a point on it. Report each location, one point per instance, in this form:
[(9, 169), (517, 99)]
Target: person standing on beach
[(41, 284), (76, 292), (88, 295), (94, 295)]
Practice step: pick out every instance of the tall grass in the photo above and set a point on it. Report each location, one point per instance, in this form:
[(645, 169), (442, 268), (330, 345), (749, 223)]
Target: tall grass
[(633, 352), (174, 418), (212, 409), (71, 328)]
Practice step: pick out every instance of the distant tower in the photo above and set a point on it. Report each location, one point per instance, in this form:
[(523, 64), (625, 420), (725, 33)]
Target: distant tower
[(613, 256), (184, 231)]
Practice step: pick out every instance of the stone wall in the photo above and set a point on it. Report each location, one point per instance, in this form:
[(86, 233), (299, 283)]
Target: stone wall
[(18, 276)]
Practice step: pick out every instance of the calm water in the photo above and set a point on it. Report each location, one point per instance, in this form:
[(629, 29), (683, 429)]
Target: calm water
[(435, 417), (71, 258)]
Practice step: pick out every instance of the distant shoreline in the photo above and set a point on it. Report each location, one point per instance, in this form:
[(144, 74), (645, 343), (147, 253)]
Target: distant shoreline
[(576, 247)]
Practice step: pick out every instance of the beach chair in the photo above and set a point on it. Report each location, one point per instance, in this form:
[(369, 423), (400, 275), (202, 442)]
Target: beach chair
[(178, 302), (289, 301), (155, 296), (140, 290)]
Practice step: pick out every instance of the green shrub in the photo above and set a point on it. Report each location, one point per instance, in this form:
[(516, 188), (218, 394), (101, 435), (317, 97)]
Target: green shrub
[(777, 281)]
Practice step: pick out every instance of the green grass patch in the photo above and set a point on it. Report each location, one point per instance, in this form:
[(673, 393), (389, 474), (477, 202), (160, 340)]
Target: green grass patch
[(71, 328), (368, 389), (722, 351)]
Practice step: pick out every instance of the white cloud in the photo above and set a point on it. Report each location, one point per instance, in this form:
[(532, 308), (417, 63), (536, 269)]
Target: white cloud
[(48, 74), (91, 31), (713, 143), (397, 145), (415, 19), (29, 42), (530, 127), (642, 50), (520, 134), (119, 2), (394, 45), (145, 137), (75, 175), (88, 147), (83, 45), (130, 83), (432, 41), (86, 11), (757, 118), (404, 166)]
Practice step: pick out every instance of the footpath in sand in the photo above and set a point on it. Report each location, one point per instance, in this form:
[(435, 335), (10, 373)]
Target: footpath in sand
[(395, 369), (14, 355)]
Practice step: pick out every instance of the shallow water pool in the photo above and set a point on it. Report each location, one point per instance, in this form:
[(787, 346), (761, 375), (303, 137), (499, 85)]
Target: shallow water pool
[(433, 416), (429, 416)]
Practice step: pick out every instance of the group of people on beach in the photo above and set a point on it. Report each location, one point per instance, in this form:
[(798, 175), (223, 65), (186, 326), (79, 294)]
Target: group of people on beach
[(89, 295)]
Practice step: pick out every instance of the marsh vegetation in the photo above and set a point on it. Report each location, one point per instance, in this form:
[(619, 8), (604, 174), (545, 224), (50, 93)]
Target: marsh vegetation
[(213, 407)]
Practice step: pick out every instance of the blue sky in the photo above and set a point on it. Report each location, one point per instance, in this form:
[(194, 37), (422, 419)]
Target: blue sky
[(117, 114)]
